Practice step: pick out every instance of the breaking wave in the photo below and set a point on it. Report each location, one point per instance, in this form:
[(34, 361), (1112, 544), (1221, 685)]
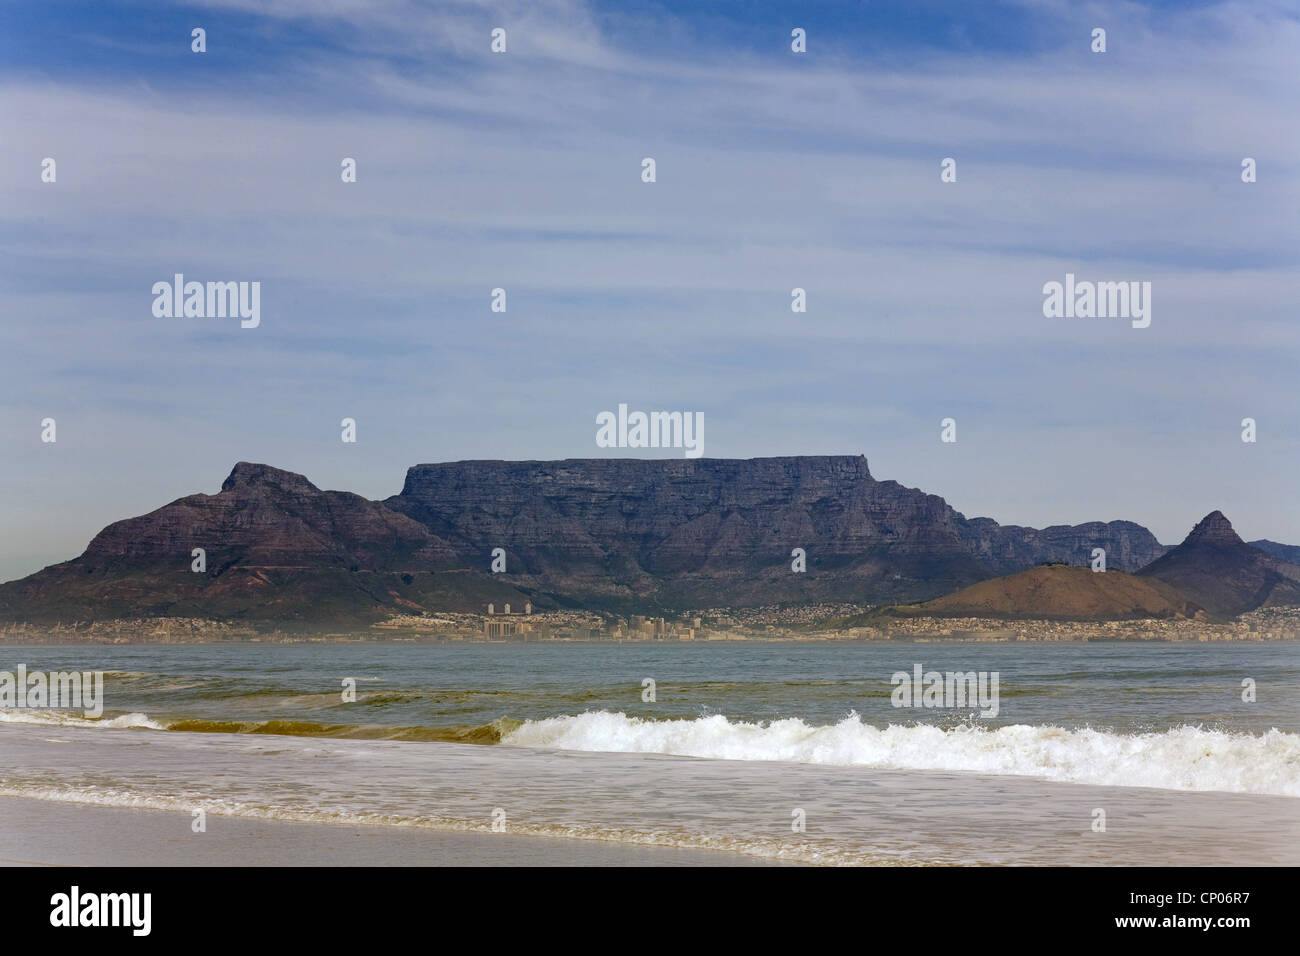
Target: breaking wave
[(1183, 758), (490, 733), (63, 718)]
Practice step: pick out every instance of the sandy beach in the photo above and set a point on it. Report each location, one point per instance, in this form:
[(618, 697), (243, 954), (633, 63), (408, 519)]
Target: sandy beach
[(48, 833), (77, 795)]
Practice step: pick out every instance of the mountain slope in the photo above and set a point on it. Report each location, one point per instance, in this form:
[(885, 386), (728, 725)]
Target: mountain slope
[(1224, 574), (277, 548), (1059, 593), (1287, 552)]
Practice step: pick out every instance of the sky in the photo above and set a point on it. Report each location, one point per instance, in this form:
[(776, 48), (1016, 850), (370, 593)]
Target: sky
[(775, 170)]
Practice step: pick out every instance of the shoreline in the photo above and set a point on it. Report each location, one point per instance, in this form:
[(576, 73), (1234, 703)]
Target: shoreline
[(73, 796), (716, 626), (998, 636), (36, 832)]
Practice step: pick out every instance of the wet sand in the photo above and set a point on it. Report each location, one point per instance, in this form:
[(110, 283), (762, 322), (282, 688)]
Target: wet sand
[(50, 833), (126, 796)]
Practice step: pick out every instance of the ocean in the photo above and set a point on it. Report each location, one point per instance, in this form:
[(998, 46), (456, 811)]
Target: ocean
[(1122, 754)]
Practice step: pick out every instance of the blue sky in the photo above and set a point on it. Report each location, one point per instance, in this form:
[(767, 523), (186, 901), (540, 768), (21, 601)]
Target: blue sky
[(775, 170)]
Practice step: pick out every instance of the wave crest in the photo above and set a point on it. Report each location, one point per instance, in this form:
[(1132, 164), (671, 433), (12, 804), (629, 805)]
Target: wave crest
[(64, 718), (1183, 758)]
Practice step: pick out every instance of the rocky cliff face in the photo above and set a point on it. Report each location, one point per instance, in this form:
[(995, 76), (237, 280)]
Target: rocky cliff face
[(718, 531), (1287, 552), (1128, 546), (611, 533)]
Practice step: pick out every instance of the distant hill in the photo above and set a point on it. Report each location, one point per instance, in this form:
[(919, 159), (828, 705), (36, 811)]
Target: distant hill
[(1223, 574), (1213, 574), (1059, 593), (1287, 552)]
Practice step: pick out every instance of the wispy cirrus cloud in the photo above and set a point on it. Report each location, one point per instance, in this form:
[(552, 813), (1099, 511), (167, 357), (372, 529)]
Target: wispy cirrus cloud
[(775, 171)]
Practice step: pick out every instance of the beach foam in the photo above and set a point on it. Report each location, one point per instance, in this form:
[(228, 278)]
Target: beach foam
[(1183, 758), (63, 718), (855, 815)]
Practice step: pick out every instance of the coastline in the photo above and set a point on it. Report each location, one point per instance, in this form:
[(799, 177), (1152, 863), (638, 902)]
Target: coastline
[(63, 833), (1284, 628), (320, 801)]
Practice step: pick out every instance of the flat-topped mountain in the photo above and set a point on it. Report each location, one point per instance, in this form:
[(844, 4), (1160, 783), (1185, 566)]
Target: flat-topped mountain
[(1223, 573), (617, 534), (703, 532)]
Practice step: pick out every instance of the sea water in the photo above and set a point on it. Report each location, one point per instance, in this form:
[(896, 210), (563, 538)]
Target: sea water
[(790, 750)]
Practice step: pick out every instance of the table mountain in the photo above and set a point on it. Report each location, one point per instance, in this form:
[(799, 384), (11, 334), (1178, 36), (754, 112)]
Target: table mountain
[(704, 532), (620, 534)]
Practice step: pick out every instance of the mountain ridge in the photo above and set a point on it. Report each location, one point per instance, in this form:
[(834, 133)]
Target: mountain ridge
[(1211, 576), (612, 534)]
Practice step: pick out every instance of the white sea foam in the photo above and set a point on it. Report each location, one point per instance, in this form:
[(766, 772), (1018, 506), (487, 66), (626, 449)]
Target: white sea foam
[(1184, 758), (63, 718), (854, 815)]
